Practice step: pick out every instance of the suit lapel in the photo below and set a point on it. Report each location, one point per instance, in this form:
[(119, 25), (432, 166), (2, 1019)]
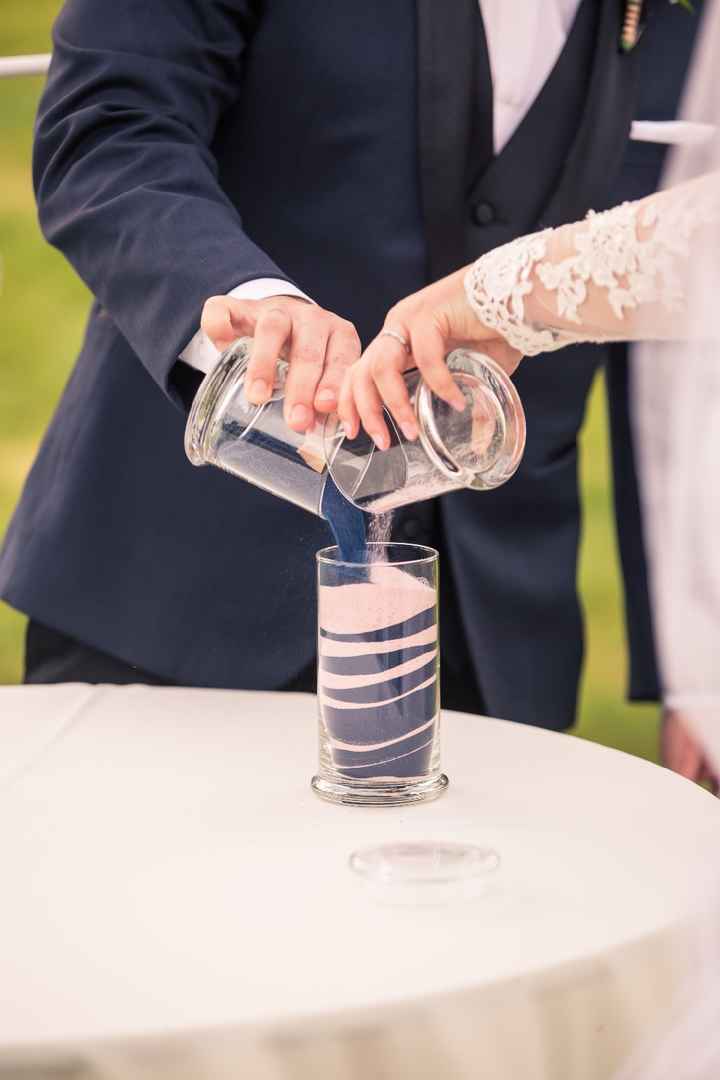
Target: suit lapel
[(597, 151), (452, 54)]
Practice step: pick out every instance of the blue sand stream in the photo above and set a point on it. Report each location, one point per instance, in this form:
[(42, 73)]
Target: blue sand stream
[(347, 523)]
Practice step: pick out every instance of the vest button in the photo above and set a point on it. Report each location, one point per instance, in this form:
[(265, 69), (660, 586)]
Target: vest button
[(483, 213)]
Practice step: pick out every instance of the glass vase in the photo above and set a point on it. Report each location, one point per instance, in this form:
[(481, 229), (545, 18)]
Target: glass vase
[(379, 676)]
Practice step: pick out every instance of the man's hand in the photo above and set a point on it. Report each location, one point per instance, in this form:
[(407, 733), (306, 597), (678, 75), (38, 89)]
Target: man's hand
[(433, 322), (681, 750), (319, 346)]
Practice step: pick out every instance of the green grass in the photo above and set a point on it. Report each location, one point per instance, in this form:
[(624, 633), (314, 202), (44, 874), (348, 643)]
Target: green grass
[(604, 716), (42, 304), (42, 312)]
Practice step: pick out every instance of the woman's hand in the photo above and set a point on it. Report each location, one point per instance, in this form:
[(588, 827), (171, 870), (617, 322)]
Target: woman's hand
[(682, 751), (433, 322), (319, 346)]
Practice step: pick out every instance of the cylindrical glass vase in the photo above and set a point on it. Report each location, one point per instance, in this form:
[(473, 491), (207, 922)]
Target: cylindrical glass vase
[(379, 676)]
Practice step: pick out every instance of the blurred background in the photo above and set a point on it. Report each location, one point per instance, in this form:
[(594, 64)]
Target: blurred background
[(42, 313)]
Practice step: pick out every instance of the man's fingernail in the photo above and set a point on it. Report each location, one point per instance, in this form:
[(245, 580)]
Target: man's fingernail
[(259, 390), (326, 397), (300, 415)]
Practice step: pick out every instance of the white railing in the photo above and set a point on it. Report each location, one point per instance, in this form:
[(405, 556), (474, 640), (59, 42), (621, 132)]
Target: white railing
[(37, 64)]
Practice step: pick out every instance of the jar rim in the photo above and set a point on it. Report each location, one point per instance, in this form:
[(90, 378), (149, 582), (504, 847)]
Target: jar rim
[(428, 554), (431, 439), (204, 406)]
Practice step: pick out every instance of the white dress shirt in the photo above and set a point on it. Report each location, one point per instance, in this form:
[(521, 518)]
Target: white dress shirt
[(524, 40)]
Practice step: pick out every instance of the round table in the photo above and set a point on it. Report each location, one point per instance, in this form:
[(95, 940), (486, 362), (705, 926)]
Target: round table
[(176, 902)]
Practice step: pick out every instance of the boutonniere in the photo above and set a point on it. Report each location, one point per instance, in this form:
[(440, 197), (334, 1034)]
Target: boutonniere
[(631, 21)]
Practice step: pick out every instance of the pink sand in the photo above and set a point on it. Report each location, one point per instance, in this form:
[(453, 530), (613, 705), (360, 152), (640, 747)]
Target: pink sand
[(391, 596)]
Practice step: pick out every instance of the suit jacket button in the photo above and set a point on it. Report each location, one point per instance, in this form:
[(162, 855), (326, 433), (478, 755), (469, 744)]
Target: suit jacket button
[(483, 213)]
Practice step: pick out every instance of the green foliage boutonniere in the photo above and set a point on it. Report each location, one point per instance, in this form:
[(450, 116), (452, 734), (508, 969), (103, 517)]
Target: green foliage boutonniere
[(631, 21)]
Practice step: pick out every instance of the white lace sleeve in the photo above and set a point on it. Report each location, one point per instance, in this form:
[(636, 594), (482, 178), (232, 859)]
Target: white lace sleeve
[(616, 276)]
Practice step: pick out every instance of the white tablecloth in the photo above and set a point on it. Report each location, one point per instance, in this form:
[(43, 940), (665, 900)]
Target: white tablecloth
[(168, 874)]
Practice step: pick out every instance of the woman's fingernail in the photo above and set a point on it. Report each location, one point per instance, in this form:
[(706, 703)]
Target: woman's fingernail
[(409, 429), (458, 402), (380, 439), (259, 390), (300, 415), (326, 397)]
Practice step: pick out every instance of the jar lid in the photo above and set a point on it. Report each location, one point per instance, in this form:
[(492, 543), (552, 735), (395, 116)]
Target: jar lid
[(425, 872)]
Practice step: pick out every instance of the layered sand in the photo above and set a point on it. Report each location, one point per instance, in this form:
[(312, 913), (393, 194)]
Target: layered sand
[(378, 673)]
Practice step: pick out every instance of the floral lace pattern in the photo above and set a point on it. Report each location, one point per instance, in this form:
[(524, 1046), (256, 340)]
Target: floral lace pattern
[(633, 254), (610, 256), (496, 287)]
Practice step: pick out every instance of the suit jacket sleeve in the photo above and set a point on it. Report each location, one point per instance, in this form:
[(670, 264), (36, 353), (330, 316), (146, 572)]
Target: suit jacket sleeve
[(125, 177)]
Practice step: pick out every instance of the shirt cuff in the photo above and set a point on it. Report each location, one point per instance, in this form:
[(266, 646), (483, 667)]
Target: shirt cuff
[(200, 352), (672, 132), (692, 701)]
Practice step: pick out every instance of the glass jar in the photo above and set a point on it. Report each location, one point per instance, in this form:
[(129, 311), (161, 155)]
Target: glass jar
[(253, 441), (479, 448)]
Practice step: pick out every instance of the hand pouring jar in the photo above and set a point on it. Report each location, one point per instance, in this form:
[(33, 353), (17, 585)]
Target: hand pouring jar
[(478, 448)]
